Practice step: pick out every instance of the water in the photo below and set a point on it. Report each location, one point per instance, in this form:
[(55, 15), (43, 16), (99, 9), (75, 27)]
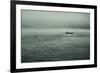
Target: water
[(54, 45)]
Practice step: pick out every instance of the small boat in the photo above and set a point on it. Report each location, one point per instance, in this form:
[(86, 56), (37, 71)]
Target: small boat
[(69, 32), (35, 36)]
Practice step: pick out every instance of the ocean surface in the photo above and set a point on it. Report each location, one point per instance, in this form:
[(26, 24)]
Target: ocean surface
[(42, 45)]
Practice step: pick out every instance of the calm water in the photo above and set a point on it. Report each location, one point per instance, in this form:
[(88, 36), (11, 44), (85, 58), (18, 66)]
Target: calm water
[(40, 45)]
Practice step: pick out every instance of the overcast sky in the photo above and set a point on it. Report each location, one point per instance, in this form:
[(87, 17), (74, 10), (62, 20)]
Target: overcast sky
[(51, 20)]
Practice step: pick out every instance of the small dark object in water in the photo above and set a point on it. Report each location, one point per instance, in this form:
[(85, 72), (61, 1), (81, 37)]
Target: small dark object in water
[(35, 36), (69, 32)]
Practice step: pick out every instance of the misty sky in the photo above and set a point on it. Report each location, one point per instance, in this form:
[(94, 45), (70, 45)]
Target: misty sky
[(50, 20)]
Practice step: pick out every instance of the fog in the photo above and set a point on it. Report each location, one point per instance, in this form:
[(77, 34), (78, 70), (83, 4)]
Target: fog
[(53, 20), (54, 36)]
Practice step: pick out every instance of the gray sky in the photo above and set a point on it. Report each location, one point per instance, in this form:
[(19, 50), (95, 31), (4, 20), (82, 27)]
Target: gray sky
[(50, 20)]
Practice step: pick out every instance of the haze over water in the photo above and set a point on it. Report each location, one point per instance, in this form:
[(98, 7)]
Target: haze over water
[(44, 38)]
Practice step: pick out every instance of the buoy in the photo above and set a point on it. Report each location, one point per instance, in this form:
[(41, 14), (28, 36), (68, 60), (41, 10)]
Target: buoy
[(35, 36)]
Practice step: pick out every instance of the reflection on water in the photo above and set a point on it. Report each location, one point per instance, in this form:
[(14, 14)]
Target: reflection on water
[(27, 31)]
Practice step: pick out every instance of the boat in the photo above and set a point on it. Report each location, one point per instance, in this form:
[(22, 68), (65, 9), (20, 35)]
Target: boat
[(69, 32)]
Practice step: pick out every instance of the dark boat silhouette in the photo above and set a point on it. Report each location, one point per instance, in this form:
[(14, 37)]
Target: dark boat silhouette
[(35, 36), (69, 32)]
